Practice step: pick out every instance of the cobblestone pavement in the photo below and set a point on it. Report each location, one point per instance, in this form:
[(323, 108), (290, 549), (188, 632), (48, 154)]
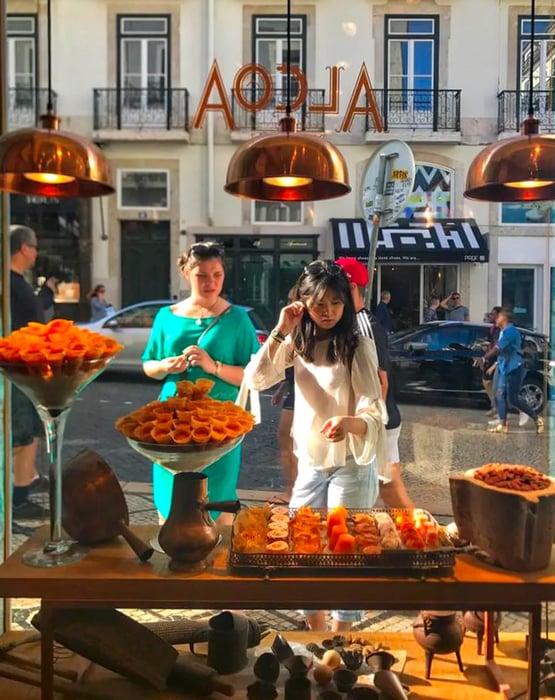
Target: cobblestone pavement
[(435, 441)]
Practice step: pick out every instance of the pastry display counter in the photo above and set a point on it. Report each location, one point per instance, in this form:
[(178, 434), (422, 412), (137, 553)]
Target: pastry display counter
[(110, 575)]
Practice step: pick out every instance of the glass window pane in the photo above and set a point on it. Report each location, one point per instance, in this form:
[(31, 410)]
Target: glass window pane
[(423, 58), (156, 57), (531, 213), (277, 212), (278, 25), (144, 189), (517, 294), (20, 25), (305, 243), (144, 25), (132, 56), (405, 25)]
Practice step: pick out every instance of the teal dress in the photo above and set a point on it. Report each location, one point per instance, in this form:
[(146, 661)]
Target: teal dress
[(232, 341)]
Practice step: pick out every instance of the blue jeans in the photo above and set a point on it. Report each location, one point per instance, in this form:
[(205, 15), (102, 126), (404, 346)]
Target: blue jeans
[(352, 486), (507, 394)]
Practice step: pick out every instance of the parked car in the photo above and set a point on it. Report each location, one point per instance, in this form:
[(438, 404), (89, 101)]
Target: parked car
[(436, 361), (131, 326)]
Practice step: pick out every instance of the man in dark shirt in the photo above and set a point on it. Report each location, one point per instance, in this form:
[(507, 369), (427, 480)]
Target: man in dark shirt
[(383, 314), (26, 425), (392, 491)]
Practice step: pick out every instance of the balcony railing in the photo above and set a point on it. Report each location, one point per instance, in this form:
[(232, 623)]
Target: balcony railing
[(512, 109), (267, 119), (436, 110), (144, 108), (25, 105)]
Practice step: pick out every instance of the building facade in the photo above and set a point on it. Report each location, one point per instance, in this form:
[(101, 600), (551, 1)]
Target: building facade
[(159, 85)]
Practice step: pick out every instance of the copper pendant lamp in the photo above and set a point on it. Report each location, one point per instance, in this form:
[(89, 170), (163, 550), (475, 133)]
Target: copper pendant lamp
[(519, 169), (287, 166), (52, 163)]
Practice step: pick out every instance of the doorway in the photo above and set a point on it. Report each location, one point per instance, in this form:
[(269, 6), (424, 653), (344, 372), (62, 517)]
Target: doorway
[(145, 261)]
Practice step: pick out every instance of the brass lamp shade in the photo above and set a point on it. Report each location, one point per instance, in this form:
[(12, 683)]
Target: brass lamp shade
[(287, 167), (52, 163), (520, 169)]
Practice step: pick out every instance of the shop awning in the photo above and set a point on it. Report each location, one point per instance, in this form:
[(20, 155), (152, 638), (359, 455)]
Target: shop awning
[(447, 241)]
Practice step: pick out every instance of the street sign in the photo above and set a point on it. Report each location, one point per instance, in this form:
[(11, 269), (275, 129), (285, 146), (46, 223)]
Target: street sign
[(397, 187)]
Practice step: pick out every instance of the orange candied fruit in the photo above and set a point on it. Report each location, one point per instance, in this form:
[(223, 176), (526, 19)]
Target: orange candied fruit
[(55, 342)]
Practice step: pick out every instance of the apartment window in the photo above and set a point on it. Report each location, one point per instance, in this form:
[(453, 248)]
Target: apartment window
[(143, 189), (270, 47), (431, 194), (411, 61), (143, 71), (22, 56), (277, 212), (544, 53)]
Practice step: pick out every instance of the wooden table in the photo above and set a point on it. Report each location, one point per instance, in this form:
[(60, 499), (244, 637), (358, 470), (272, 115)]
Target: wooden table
[(112, 576)]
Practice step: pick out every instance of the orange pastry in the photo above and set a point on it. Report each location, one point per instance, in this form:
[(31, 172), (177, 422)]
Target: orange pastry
[(346, 544), (278, 547)]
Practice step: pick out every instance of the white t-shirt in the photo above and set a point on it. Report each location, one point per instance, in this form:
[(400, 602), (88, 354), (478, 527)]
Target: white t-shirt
[(324, 390)]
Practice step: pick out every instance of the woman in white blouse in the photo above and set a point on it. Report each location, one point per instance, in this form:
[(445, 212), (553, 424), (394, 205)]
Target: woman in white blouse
[(339, 416)]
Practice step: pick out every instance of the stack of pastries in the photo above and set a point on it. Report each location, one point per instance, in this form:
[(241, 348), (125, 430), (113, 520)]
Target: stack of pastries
[(277, 530), (190, 417)]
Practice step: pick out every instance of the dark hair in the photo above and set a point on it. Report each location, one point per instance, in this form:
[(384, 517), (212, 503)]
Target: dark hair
[(19, 236), (313, 284), (95, 290), (199, 252), (497, 309), (508, 313), (433, 298)]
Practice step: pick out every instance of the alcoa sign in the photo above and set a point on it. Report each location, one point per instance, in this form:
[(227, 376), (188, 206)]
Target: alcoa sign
[(214, 82)]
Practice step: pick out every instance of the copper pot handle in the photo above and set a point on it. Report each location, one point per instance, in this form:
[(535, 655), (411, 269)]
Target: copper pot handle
[(141, 549)]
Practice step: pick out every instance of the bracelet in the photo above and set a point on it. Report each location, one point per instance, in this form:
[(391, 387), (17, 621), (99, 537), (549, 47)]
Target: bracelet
[(218, 368), (277, 336)]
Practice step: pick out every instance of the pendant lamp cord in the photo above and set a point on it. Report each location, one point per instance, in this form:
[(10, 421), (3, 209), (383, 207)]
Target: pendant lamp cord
[(532, 42), (49, 105), (288, 105)]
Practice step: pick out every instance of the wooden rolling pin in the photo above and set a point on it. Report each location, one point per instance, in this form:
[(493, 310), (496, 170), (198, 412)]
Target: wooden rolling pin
[(190, 675)]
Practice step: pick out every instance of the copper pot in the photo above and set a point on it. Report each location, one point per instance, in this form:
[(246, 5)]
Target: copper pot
[(189, 534)]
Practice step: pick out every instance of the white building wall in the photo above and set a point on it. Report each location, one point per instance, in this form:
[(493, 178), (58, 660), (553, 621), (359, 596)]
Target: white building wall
[(477, 57)]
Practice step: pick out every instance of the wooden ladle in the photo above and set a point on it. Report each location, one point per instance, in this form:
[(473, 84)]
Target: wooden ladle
[(94, 508)]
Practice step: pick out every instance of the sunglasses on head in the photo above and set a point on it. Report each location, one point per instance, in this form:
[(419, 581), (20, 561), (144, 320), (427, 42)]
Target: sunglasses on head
[(320, 267), (206, 250)]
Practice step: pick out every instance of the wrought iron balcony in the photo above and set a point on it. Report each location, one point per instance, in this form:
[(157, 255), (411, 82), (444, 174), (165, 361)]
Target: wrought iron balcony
[(141, 108), (436, 110), (25, 105), (267, 119), (512, 109)]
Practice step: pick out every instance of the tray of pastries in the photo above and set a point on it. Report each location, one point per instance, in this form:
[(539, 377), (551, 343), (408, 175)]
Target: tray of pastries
[(377, 540)]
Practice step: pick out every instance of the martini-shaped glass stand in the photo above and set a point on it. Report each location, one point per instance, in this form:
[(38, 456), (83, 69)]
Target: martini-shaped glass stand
[(53, 388), (184, 458)]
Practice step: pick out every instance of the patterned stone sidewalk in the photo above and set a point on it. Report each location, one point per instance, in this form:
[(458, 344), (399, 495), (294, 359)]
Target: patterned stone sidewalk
[(139, 499)]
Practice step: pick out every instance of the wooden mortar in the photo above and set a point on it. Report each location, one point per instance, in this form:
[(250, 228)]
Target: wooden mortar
[(515, 528)]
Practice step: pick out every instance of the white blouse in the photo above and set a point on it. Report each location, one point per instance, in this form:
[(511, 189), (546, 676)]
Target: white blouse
[(324, 390)]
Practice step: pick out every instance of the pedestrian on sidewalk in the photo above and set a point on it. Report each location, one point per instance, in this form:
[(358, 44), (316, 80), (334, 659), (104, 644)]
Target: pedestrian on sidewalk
[(393, 490), (339, 418), (511, 370)]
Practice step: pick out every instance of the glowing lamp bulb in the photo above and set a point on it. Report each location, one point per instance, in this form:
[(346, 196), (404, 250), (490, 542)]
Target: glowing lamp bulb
[(287, 181), (527, 184), (49, 178)]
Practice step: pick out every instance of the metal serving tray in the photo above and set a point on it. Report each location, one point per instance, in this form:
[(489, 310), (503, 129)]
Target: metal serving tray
[(400, 561)]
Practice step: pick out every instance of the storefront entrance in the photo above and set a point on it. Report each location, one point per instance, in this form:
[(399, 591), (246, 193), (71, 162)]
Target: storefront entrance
[(260, 270), (411, 287)]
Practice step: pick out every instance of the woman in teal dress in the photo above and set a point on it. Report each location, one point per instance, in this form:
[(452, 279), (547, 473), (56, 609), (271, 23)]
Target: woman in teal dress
[(174, 353)]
